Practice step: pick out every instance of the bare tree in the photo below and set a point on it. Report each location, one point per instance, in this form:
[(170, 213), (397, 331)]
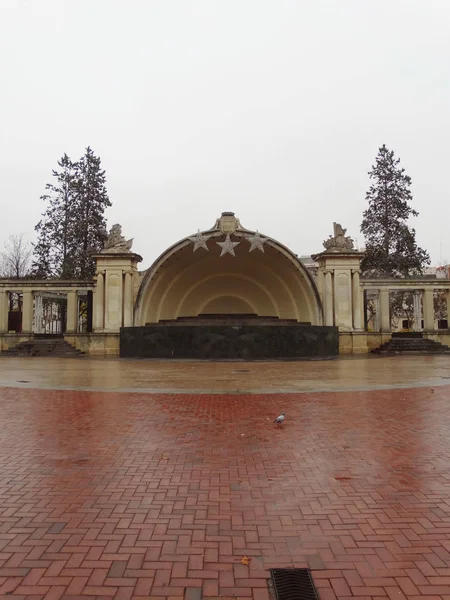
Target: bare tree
[(15, 260)]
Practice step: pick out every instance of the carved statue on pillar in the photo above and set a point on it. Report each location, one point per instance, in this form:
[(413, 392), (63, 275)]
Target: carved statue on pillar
[(338, 242), (113, 293), (115, 241)]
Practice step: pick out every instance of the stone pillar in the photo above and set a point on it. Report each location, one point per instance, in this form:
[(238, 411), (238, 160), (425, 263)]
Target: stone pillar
[(358, 321), (72, 312), (385, 310), (428, 310), (27, 312), (98, 308), (113, 306), (320, 285), (340, 307), (128, 301), (113, 300), (328, 299), (373, 309), (343, 311), (417, 304), (38, 313), (4, 307), (447, 299), (376, 319)]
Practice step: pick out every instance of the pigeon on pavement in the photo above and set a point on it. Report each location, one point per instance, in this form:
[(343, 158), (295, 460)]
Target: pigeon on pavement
[(279, 420)]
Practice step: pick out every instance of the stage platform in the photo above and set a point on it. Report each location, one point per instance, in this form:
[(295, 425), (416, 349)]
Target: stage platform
[(235, 337)]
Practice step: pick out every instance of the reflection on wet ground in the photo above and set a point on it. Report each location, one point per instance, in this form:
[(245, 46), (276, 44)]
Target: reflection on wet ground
[(206, 377), (161, 495)]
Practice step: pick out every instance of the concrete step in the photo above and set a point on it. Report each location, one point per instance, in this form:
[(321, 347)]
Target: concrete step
[(424, 347), (52, 347), (411, 344)]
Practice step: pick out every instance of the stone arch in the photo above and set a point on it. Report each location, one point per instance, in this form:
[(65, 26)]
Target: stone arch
[(180, 283), (220, 284)]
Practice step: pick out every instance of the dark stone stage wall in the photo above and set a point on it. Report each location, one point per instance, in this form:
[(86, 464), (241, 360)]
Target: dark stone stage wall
[(229, 341)]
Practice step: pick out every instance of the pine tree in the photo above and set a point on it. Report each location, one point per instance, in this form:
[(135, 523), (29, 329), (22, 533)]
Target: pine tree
[(91, 202), (54, 251), (73, 225), (42, 266), (391, 248)]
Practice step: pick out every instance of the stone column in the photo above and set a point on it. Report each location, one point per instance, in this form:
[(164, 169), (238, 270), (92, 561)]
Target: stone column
[(38, 313), (337, 264), (27, 312), (328, 299), (113, 300), (385, 310), (447, 298), (376, 303), (72, 312), (417, 303), (320, 285), (342, 288), (4, 307), (356, 301), (98, 308), (428, 310), (114, 290), (128, 301)]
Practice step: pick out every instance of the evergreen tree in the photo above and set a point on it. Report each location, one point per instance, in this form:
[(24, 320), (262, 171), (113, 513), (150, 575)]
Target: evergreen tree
[(391, 248), (42, 266), (73, 225), (91, 202), (54, 252)]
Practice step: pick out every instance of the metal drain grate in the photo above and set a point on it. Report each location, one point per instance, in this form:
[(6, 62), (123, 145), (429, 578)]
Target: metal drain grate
[(293, 584)]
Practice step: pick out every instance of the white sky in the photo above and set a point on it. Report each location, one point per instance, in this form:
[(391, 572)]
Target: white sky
[(274, 109)]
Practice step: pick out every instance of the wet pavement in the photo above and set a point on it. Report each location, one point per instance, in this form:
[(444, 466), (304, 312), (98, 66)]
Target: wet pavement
[(363, 373), (133, 494)]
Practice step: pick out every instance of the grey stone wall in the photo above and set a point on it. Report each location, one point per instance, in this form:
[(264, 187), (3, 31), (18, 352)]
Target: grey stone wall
[(229, 341)]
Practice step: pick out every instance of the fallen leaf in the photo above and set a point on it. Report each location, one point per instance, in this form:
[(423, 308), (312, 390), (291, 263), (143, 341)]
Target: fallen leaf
[(245, 560)]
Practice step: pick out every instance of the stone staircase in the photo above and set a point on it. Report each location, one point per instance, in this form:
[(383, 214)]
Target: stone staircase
[(53, 346), (411, 343)]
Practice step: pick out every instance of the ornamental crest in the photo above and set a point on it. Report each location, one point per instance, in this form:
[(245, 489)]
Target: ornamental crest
[(227, 224)]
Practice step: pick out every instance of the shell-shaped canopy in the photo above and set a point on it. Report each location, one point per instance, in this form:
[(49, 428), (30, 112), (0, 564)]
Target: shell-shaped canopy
[(254, 274)]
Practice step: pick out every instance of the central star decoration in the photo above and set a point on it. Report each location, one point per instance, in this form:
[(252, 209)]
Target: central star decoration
[(227, 246), (256, 241), (199, 240)]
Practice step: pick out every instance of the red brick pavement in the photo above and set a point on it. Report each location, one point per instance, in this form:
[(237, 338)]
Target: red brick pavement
[(132, 495)]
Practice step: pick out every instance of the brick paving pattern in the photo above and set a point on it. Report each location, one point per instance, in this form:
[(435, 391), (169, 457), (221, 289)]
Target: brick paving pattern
[(123, 496)]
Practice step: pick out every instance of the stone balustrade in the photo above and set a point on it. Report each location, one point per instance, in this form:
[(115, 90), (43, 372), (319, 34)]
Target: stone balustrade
[(343, 292), (32, 291), (379, 290)]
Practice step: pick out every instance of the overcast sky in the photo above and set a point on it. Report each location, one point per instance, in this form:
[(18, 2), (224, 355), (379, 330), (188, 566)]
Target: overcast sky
[(273, 109)]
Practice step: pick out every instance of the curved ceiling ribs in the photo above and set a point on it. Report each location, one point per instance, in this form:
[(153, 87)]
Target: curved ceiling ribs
[(183, 283)]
